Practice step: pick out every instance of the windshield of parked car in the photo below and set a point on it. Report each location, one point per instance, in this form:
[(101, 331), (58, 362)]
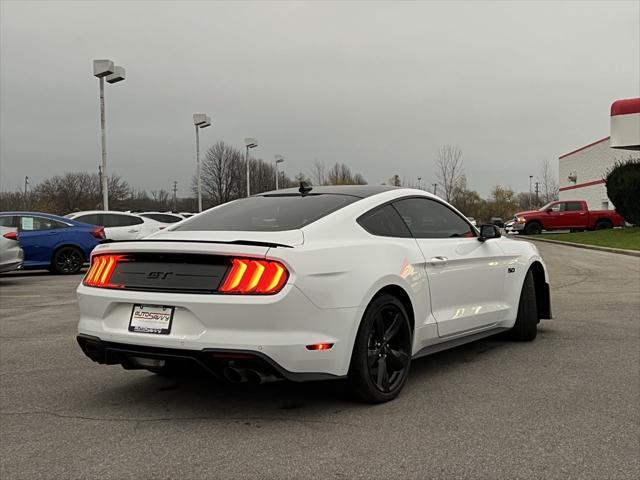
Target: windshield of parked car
[(269, 213), (546, 207)]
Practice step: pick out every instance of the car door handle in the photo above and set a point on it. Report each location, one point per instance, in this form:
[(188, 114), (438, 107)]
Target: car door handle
[(438, 261), (133, 230)]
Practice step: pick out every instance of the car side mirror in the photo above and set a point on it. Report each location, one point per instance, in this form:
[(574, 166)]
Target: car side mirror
[(549, 210), (488, 232)]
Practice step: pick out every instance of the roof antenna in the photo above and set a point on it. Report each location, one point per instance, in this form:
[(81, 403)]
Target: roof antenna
[(305, 187)]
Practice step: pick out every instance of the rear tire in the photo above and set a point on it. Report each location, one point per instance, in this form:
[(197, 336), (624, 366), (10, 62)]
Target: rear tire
[(526, 327), (382, 351), (603, 225), (67, 261), (533, 228)]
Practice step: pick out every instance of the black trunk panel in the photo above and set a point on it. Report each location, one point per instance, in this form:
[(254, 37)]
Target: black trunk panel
[(185, 273)]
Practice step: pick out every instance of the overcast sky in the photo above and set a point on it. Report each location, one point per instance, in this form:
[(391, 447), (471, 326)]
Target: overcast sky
[(376, 85)]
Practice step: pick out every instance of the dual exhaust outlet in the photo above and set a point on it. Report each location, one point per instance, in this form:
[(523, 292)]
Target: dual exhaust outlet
[(247, 375)]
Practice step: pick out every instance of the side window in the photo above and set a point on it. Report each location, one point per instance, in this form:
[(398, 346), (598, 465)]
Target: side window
[(573, 207), (91, 219), (113, 220), (557, 207), (430, 219), (30, 224), (385, 222), (7, 221), (134, 220)]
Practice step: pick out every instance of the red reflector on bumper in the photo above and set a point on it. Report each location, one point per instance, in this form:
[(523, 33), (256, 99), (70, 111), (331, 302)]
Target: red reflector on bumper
[(320, 346)]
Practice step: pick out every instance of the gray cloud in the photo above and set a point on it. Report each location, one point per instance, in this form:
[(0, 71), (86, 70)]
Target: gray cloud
[(376, 85)]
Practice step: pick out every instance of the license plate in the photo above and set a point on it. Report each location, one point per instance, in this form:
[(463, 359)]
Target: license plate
[(151, 319)]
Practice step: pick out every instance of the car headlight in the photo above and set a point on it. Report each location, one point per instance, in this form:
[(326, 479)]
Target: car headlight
[(520, 219)]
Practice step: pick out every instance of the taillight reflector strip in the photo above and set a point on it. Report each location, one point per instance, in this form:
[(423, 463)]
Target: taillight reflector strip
[(102, 267), (247, 276)]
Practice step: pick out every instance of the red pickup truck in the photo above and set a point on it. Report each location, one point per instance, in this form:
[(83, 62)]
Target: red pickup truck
[(565, 214)]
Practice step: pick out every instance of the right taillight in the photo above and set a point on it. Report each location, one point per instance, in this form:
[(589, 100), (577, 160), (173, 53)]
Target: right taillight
[(98, 232), (11, 236), (256, 277)]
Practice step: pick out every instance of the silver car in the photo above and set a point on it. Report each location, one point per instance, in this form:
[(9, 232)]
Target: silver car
[(11, 255)]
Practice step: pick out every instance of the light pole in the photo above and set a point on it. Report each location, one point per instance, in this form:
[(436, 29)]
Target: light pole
[(435, 188), (113, 74), (279, 159), (200, 120), (249, 143), (419, 183), (530, 179), (26, 183)]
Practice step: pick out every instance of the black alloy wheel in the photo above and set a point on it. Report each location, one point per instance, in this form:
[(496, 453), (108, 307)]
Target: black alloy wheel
[(67, 261), (382, 354)]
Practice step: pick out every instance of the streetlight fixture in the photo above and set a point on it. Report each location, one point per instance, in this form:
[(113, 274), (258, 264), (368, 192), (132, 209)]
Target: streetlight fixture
[(105, 69), (279, 159), (200, 120), (419, 183), (249, 143)]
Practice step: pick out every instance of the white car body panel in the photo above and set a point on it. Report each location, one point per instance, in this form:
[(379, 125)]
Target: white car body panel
[(336, 268), (11, 254)]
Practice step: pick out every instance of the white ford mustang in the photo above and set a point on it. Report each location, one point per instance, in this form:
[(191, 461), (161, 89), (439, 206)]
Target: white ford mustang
[(308, 284)]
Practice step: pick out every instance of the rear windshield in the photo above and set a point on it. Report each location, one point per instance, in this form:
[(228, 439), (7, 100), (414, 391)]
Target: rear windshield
[(269, 213)]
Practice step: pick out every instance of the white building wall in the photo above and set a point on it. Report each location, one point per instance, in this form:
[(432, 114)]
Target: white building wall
[(589, 164)]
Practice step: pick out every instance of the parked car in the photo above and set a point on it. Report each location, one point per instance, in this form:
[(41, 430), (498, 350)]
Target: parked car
[(566, 214), (59, 244), (11, 255), (508, 226), (309, 284), (119, 225), (497, 221), (162, 217)]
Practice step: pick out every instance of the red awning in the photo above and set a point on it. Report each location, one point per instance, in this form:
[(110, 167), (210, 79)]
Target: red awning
[(625, 107)]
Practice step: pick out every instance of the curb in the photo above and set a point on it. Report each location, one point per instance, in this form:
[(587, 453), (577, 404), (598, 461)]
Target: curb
[(619, 251)]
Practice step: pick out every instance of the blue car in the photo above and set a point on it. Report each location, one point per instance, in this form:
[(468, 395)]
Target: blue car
[(49, 241)]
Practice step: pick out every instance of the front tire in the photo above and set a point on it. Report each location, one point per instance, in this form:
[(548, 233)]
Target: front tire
[(526, 327), (67, 261), (382, 351), (533, 228)]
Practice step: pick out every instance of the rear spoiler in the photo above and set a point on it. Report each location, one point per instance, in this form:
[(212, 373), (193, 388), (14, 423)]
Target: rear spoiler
[(233, 242)]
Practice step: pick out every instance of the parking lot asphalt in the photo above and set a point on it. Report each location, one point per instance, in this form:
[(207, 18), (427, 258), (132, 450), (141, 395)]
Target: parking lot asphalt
[(564, 406)]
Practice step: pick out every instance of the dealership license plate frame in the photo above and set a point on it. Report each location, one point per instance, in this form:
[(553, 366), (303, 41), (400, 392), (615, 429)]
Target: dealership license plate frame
[(154, 328)]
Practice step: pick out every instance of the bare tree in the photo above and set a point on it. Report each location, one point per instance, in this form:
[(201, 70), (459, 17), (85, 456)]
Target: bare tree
[(318, 173), (340, 174), (223, 173), (160, 199), (449, 169), (548, 184)]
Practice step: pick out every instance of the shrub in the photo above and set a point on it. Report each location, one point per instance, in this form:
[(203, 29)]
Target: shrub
[(623, 188)]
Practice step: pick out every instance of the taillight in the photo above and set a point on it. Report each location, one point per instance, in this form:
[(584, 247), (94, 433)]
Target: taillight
[(258, 277), (98, 232), (102, 267), (11, 236)]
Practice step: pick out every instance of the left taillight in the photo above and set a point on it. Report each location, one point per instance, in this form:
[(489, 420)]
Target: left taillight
[(98, 232), (11, 236), (254, 277), (102, 267)]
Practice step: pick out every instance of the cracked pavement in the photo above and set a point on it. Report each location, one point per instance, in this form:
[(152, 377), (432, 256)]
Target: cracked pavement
[(564, 406)]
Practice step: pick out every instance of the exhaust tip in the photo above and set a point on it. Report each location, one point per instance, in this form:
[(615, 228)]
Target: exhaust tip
[(234, 375)]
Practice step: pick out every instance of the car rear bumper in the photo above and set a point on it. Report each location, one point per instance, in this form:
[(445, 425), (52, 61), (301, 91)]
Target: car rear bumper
[(274, 328)]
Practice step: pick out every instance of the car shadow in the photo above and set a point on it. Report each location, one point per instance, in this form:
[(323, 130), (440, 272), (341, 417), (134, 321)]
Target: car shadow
[(203, 396), (36, 273)]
